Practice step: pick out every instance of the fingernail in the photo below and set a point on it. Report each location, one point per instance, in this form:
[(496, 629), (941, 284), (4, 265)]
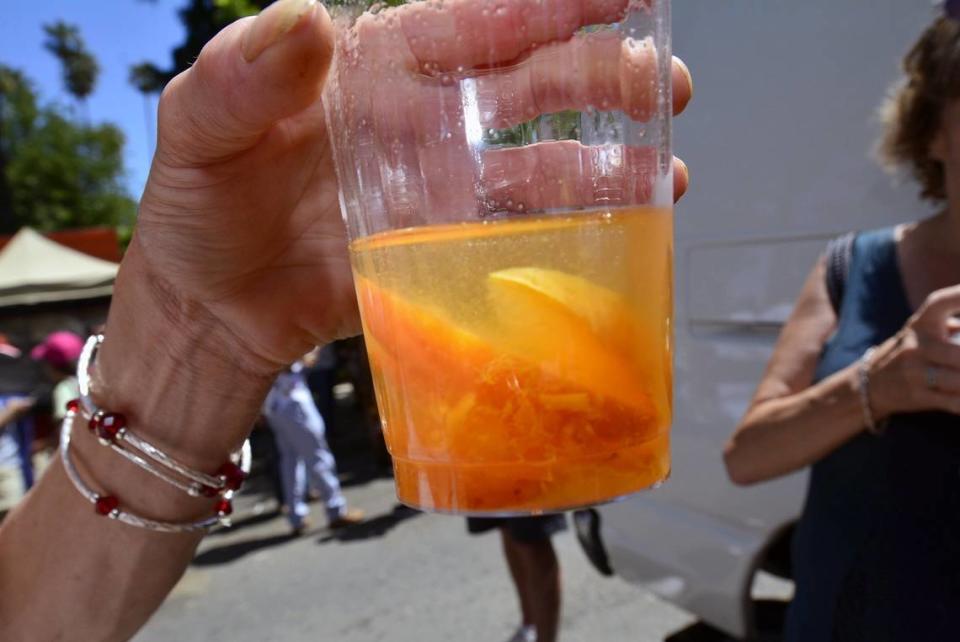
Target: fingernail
[(272, 23), (686, 73)]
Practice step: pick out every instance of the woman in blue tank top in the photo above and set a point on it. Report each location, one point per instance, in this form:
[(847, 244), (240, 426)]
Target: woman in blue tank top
[(864, 386)]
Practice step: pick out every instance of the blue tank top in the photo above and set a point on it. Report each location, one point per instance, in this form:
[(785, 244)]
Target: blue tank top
[(877, 550)]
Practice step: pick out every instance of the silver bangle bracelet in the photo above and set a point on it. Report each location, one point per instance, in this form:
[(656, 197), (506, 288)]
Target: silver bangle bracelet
[(863, 380), (112, 431), (109, 506)]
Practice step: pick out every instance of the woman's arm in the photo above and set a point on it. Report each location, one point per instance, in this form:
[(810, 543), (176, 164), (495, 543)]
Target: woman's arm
[(239, 265), (173, 372), (791, 424)]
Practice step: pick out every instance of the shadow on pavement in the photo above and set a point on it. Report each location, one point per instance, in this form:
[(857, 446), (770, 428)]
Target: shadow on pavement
[(374, 527), (231, 552), (770, 618), (245, 522)]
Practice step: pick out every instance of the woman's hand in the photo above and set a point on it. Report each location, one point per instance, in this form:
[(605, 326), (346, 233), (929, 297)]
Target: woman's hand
[(239, 265), (241, 217), (919, 368)]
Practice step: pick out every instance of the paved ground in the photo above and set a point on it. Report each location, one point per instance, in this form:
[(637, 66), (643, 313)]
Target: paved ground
[(403, 577)]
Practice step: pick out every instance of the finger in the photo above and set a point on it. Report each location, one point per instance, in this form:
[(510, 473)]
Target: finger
[(681, 179), (943, 379), (473, 33), (567, 174), (953, 329), (600, 70), (253, 74), (940, 352), (937, 400), (936, 315)]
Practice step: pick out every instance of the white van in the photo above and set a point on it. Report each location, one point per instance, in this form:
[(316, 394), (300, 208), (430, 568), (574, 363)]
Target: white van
[(779, 141)]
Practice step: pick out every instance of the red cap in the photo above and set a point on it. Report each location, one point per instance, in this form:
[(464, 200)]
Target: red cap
[(60, 349)]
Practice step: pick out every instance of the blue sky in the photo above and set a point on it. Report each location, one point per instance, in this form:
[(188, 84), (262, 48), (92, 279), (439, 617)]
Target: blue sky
[(120, 33)]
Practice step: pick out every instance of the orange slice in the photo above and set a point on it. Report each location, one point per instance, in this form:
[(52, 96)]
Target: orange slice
[(584, 331)]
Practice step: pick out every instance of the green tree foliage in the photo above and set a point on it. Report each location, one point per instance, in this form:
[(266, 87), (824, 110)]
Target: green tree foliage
[(80, 68), (56, 172), (202, 20)]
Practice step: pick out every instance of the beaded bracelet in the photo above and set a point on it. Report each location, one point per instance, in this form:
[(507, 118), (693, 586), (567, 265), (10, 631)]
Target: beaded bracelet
[(112, 431), (109, 505)]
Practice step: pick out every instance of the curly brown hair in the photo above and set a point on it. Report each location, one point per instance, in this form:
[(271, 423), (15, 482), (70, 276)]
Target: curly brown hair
[(914, 111)]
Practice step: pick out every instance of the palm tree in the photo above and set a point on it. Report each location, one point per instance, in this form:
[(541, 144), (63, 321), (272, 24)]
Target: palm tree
[(80, 68)]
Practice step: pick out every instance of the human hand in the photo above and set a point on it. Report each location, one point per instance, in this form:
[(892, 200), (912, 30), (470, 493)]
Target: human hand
[(241, 215), (919, 368)]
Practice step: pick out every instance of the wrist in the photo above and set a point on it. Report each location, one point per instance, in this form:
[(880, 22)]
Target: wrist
[(175, 371), (875, 374)]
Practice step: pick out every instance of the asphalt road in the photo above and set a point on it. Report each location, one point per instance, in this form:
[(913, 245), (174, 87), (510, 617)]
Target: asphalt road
[(402, 577)]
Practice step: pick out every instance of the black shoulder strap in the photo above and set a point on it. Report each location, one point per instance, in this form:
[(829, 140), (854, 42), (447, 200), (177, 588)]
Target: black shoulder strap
[(838, 254)]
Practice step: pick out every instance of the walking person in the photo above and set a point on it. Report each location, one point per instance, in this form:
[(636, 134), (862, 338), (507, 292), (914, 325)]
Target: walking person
[(305, 457), (534, 570)]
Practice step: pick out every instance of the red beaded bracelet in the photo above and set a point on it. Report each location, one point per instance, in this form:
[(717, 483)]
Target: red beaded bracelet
[(112, 430), (109, 505)]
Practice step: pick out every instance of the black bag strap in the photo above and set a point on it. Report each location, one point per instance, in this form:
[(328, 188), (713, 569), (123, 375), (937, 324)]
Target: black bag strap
[(838, 255)]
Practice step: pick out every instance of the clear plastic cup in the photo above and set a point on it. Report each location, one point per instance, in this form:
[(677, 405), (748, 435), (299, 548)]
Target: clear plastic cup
[(506, 180)]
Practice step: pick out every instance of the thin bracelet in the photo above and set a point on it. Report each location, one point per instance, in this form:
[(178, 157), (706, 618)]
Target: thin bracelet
[(109, 505), (863, 379), (194, 489), (111, 428)]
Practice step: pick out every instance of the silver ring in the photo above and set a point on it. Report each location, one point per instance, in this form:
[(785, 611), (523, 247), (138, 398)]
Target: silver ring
[(933, 377)]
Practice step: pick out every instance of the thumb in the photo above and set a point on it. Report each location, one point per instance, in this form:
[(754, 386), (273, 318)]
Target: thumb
[(254, 73)]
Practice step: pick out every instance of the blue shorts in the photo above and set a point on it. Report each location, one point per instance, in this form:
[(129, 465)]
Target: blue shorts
[(522, 529)]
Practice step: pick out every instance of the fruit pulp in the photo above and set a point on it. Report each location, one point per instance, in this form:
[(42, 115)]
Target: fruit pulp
[(522, 366)]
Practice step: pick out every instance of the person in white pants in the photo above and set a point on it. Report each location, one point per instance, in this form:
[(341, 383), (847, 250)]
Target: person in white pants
[(300, 434)]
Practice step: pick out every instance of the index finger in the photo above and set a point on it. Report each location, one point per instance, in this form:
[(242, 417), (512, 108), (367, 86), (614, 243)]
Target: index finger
[(473, 33)]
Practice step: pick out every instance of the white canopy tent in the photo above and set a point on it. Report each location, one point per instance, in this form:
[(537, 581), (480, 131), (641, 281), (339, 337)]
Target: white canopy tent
[(34, 269)]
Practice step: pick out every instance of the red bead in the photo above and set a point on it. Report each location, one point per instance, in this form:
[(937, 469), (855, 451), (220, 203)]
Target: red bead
[(223, 507), (106, 504), (108, 425), (73, 405), (233, 476)]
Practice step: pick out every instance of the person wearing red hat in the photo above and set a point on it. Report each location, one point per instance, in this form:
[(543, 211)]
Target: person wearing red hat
[(59, 353)]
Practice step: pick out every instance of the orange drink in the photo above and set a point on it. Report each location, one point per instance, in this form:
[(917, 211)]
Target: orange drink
[(522, 365)]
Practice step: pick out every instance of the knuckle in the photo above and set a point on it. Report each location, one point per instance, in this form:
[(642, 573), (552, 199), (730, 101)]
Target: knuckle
[(936, 297)]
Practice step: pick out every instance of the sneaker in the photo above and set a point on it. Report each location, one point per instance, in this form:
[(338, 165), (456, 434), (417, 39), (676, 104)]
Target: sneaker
[(349, 517), (524, 634)]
